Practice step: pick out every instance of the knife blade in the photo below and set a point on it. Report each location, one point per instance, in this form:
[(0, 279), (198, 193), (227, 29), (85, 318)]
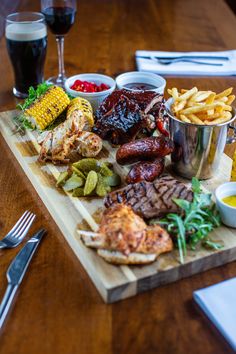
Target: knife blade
[(16, 272), (151, 57)]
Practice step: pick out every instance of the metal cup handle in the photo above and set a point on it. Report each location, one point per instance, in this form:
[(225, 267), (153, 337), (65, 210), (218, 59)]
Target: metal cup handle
[(231, 139)]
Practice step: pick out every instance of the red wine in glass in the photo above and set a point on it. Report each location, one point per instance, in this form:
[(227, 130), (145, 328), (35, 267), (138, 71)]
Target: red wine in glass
[(59, 16), (59, 19)]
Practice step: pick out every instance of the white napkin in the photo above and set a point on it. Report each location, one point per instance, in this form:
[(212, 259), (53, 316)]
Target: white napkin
[(219, 303), (183, 68)]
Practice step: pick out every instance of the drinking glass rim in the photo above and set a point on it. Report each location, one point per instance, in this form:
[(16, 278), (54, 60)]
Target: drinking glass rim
[(25, 13)]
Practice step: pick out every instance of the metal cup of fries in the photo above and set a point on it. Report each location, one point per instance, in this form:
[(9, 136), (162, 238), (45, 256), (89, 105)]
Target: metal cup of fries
[(199, 123)]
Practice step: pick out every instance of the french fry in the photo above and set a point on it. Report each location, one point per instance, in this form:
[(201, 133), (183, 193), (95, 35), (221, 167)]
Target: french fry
[(210, 112), (227, 107), (195, 95), (230, 100), (223, 99), (178, 105), (175, 93), (188, 94), (201, 108), (217, 121), (211, 98), (227, 115), (226, 92), (184, 118), (203, 96), (195, 119), (213, 116)]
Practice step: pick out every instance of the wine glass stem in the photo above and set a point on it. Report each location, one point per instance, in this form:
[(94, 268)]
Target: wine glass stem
[(60, 49)]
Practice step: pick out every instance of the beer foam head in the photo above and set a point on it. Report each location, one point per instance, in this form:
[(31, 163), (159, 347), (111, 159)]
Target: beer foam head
[(26, 31)]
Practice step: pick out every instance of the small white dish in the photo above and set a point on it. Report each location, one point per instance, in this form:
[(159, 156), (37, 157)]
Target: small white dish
[(141, 77), (95, 98), (227, 212)]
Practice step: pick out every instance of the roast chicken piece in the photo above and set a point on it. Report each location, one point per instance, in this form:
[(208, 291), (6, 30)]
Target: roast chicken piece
[(58, 144), (124, 238), (151, 199), (123, 114)]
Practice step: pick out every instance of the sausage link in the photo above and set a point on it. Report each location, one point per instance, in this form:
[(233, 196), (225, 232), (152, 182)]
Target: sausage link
[(146, 171), (144, 149)]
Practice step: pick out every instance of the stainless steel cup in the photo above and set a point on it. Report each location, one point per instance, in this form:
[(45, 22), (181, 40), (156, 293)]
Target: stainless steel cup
[(198, 148)]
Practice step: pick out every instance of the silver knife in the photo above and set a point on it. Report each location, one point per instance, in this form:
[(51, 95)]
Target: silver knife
[(16, 272)]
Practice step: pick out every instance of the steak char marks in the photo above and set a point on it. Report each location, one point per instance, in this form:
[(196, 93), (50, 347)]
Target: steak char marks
[(123, 114), (151, 199)]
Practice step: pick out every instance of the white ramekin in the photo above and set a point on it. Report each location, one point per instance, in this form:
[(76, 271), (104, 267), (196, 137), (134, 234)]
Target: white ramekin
[(141, 77), (95, 98), (227, 212)]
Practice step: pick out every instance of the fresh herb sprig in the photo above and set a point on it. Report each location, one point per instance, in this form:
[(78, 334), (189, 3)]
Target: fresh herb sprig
[(198, 219), (33, 94), (20, 121)]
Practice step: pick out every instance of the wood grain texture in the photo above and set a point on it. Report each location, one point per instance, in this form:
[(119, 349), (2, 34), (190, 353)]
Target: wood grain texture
[(114, 283), (58, 310)]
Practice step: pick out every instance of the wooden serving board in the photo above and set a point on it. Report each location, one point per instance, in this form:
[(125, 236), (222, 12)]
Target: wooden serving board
[(113, 282)]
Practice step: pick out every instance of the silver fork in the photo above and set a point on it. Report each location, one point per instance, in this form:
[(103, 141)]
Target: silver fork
[(178, 60), (19, 231)]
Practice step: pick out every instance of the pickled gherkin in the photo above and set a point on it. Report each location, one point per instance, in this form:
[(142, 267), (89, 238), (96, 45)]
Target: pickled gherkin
[(105, 170), (78, 172), (113, 180), (78, 192), (90, 183), (89, 177), (73, 182), (62, 178), (101, 186), (86, 165)]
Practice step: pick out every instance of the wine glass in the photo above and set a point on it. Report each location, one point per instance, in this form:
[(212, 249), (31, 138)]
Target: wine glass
[(59, 16)]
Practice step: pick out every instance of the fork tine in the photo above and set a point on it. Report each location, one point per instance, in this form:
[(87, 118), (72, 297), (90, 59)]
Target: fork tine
[(25, 227), (19, 224)]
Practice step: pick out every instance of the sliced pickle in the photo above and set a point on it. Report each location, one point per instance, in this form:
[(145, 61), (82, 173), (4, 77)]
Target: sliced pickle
[(62, 178), (90, 183), (73, 182), (78, 192), (78, 172), (86, 165), (113, 181), (101, 186), (105, 170)]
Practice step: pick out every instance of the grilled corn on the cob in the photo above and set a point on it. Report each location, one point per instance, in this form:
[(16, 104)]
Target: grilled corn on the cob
[(81, 107), (47, 108)]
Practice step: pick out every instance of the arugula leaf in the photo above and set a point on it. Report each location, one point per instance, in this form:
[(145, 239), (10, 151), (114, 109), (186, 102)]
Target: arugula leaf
[(198, 219)]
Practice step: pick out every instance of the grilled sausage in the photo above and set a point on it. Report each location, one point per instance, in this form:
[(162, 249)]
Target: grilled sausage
[(146, 171), (144, 149)]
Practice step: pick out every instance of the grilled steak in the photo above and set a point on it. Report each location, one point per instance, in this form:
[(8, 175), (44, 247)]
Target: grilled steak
[(123, 114), (151, 199)]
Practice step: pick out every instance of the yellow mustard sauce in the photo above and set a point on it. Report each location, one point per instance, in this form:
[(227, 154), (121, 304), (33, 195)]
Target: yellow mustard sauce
[(231, 200)]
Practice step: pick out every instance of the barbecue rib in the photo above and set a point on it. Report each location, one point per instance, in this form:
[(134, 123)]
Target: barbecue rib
[(123, 114), (151, 199)]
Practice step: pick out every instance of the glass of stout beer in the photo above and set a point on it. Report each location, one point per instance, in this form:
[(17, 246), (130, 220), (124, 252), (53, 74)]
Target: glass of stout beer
[(26, 36), (60, 16)]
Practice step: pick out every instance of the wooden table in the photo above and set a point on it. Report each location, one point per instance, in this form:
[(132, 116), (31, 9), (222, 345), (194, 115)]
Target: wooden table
[(57, 309)]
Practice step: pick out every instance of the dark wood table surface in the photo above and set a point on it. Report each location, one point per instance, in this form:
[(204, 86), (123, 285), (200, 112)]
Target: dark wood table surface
[(57, 309)]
